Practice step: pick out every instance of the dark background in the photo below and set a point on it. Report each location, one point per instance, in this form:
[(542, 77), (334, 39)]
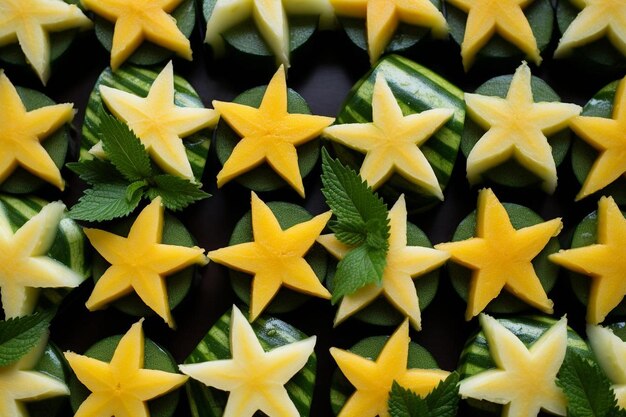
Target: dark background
[(323, 73)]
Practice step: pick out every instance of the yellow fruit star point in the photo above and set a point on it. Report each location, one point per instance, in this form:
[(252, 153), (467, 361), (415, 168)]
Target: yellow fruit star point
[(391, 141), (525, 378), (140, 262), (610, 350), (373, 379), (159, 123), (404, 264), (603, 262), (141, 20), (269, 134), (517, 127), (247, 375), (275, 257), (122, 386), (29, 22), (501, 256)]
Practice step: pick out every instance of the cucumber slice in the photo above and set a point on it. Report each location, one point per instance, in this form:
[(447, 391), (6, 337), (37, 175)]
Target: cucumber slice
[(511, 173), (540, 15), (149, 53), (52, 364), (584, 155), (69, 246), (263, 177), (585, 234), (476, 358), (138, 81), (380, 312), (405, 37), (59, 43), (505, 302), (598, 55), (21, 181), (287, 215), (340, 387), (178, 284), (272, 333), (245, 38), (416, 89), (155, 357)]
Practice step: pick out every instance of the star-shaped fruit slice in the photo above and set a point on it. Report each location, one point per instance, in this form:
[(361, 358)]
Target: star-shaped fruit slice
[(160, 124), (391, 142), (384, 16), (24, 262), (610, 351), (122, 386), (269, 133), (517, 128), (29, 22), (604, 262), (486, 17), (404, 264), (525, 378), (255, 378), (139, 20), (373, 379), (23, 131), (20, 383), (608, 138), (270, 18), (275, 257), (501, 256), (140, 262), (597, 18)]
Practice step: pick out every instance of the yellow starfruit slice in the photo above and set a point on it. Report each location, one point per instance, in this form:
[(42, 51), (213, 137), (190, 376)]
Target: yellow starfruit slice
[(269, 133), (122, 386), (517, 128), (24, 262), (391, 142), (29, 22), (610, 351), (525, 378), (275, 257), (373, 379), (486, 17), (404, 264), (139, 20), (140, 262), (501, 256), (607, 137), (270, 18), (160, 124), (597, 18), (604, 262), (23, 131), (255, 379), (384, 16)]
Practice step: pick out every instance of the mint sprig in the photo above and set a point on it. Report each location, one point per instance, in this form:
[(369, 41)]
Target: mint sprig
[(588, 390), (361, 222), (128, 176), (443, 401), (19, 336)]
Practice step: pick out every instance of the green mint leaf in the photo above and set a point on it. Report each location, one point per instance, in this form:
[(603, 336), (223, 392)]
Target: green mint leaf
[(443, 401), (588, 390), (94, 171), (135, 190), (352, 234), (104, 202), (361, 266), (20, 335), (124, 149), (177, 193)]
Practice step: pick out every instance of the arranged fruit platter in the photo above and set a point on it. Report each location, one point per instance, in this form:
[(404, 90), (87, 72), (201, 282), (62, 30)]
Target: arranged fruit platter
[(312, 208)]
